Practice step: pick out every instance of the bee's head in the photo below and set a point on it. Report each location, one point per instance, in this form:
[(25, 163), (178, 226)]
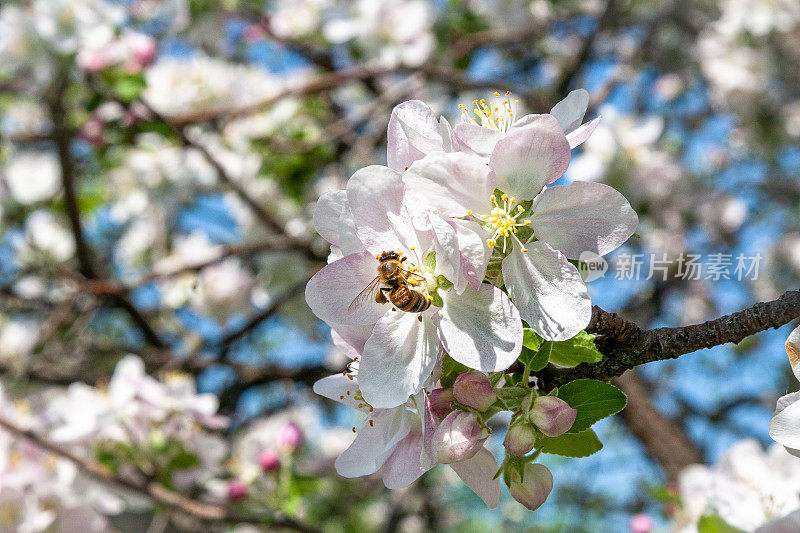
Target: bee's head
[(389, 256)]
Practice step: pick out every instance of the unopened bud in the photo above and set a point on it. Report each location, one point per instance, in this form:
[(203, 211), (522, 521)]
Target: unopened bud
[(474, 390), (290, 437), (520, 438), (441, 402), (237, 491), (457, 438), (641, 523), (552, 415), (269, 461), (534, 488)]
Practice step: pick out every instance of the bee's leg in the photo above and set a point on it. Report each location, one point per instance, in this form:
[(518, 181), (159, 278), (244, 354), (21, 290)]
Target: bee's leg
[(380, 296)]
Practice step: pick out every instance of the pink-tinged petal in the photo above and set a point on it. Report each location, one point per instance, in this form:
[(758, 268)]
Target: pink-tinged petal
[(787, 524), (382, 221), (448, 255), (552, 415), (327, 214), (441, 402), (454, 183), (528, 158), (476, 139), (478, 473), (570, 111), (350, 340), (331, 291), (349, 243), (473, 389), (413, 132), (581, 133), (457, 438), (398, 358), (403, 467), (475, 252), (548, 291), (526, 120), (533, 490), (784, 427), (583, 217), (429, 424), (374, 443), (481, 329), (340, 388), (793, 351)]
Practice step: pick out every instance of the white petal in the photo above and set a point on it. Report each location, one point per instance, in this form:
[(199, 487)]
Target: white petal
[(481, 329), (476, 139), (340, 388), (581, 133), (548, 291), (350, 339), (570, 111), (331, 291), (793, 351), (448, 256), (785, 426), (403, 467), (413, 132), (455, 183), (528, 158), (475, 252), (447, 135), (382, 221), (583, 217), (374, 443), (477, 473), (327, 214), (398, 358)]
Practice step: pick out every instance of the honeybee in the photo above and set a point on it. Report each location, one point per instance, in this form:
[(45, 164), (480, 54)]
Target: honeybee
[(398, 286)]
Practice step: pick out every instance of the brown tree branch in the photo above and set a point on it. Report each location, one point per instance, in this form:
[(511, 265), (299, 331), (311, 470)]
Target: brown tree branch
[(626, 345)]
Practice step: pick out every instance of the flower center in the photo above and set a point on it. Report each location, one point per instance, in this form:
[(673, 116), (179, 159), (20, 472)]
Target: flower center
[(497, 114), (504, 219)]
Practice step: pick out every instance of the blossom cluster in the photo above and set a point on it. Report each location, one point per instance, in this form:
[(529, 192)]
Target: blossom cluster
[(471, 243)]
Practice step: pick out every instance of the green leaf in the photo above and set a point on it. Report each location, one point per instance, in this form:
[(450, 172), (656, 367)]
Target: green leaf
[(183, 461), (512, 397), (710, 523), (450, 370), (578, 349), (530, 339), (128, 88), (582, 444), (594, 400)]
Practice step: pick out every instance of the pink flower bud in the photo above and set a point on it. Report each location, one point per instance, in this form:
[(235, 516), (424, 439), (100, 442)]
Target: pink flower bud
[(641, 523), (474, 390), (290, 437), (441, 400), (144, 49), (269, 461), (552, 415), (520, 439), (457, 438), (531, 491), (237, 491)]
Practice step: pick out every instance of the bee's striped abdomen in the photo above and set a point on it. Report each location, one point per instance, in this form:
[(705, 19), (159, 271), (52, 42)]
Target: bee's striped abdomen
[(408, 300)]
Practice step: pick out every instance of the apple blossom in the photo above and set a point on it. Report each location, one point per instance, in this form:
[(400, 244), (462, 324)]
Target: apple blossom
[(457, 438), (237, 490), (477, 325), (560, 223), (552, 415), (474, 390), (784, 427), (290, 437), (399, 441), (441, 401), (269, 461), (531, 487), (520, 438)]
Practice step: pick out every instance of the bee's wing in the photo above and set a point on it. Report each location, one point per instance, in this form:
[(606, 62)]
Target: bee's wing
[(364, 296)]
